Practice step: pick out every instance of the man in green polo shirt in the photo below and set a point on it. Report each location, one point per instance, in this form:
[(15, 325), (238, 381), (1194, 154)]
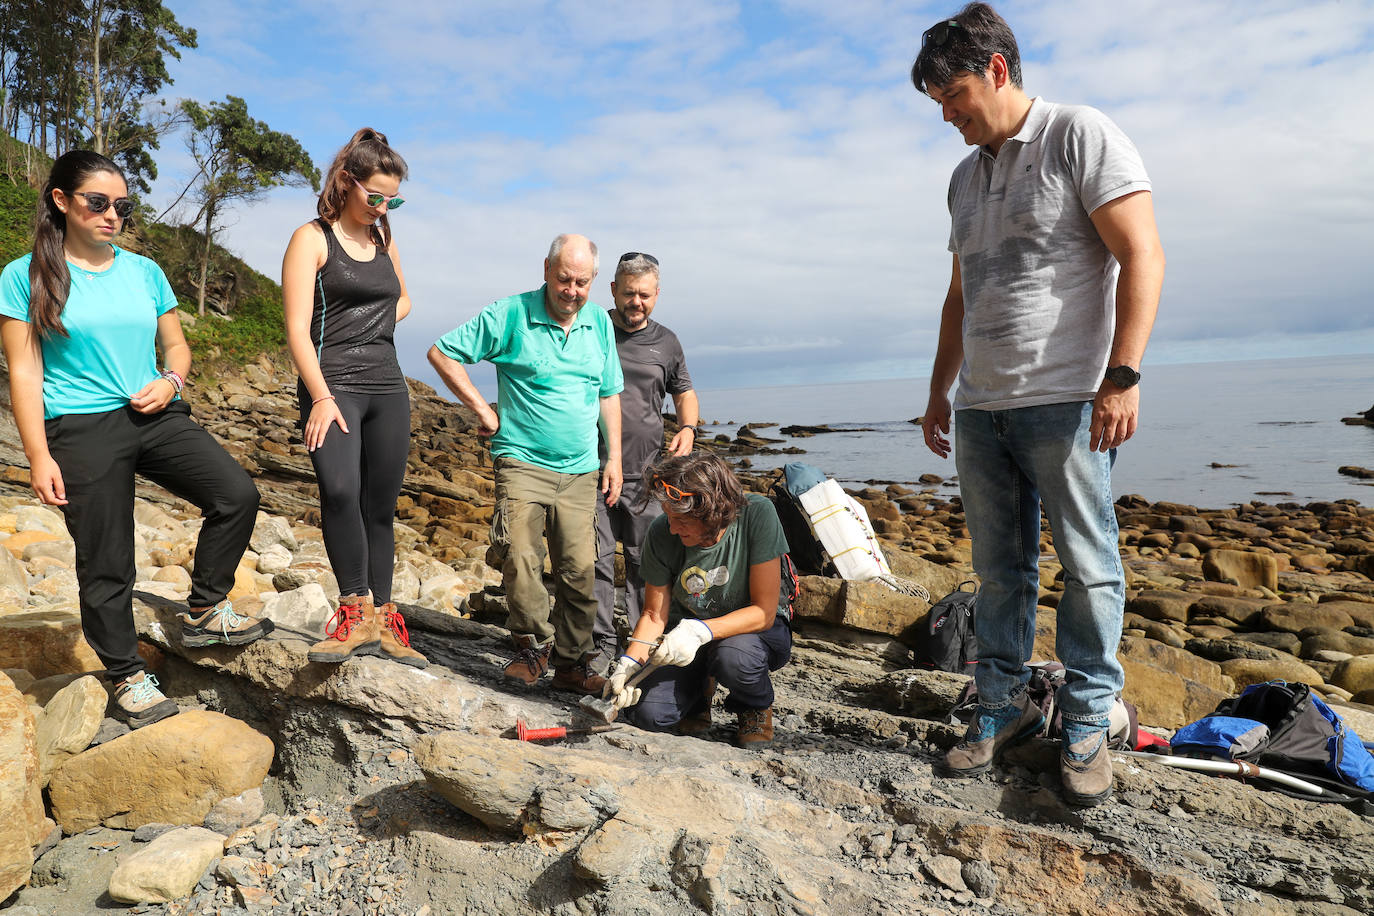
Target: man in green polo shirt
[(557, 374)]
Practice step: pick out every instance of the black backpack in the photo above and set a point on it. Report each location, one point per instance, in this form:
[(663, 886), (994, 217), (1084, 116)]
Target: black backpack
[(807, 552), (1287, 727), (946, 642)]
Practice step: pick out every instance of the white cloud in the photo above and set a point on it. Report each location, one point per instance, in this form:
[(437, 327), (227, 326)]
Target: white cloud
[(777, 160)]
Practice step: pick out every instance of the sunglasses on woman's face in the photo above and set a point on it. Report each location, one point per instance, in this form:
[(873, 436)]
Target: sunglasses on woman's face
[(375, 200), (98, 203)]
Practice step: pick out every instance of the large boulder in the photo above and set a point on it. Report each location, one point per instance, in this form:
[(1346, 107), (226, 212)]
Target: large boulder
[(861, 605), (1362, 612), (1170, 687), (680, 822), (168, 868), (1247, 671), (69, 722), (1161, 604), (1321, 639), (46, 643), (1242, 567), (172, 772), (14, 579), (21, 800), (1297, 616), (1236, 608), (1355, 675)]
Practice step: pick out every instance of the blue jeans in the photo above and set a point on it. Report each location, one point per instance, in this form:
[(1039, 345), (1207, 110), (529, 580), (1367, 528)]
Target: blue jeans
[(1010, 462), (740, 664)]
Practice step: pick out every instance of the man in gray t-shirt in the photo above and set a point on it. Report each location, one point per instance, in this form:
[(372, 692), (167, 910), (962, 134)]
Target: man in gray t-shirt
[(1055, 284), (653, 364)]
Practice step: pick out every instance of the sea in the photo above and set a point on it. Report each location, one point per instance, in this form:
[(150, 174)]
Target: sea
[(1212, 435)]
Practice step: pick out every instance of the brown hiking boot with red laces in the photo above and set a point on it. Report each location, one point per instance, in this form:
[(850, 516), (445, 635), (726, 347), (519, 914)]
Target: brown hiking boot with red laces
[(530, 662), (396, 639), (353, 630)]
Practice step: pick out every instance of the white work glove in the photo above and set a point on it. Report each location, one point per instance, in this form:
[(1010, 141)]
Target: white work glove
[(615, 688), (680, 646)]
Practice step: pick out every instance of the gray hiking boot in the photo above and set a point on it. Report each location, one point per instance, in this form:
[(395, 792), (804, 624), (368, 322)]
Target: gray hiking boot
[(1085, 765), (990, 733), (140, 703), (220, 625)]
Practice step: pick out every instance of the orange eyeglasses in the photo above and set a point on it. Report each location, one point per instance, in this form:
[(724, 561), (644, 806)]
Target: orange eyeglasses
[(674, 493)]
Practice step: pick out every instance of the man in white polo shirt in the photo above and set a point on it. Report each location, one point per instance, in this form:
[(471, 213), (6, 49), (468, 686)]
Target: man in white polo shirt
[(1055, 284)]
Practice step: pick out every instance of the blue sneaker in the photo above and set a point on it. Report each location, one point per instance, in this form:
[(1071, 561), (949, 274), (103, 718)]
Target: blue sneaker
[(990, 733)]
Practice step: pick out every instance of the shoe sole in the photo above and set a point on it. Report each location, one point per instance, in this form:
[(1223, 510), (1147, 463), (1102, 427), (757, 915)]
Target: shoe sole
[(573, 688), (332, 658), (1087, 801), (941, 769), (412, 662), (198, 639), (164, 710)]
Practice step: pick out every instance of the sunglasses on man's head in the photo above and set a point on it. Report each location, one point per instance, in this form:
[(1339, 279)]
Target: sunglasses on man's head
[(375, 200), (940, 33), (631, 255), (98, 203)]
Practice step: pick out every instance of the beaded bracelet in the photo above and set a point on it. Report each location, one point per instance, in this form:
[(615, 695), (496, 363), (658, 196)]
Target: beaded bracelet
[(327, 397), (172, 376)]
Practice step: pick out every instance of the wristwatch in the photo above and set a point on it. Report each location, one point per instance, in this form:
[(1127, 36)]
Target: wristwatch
[(1123, 376)]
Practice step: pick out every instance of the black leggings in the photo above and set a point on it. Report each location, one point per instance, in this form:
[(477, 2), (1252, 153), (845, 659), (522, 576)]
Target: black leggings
[(99, 454), (360, 476)]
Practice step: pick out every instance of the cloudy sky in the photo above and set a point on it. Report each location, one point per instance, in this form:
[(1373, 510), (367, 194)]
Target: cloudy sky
[(775, 158)]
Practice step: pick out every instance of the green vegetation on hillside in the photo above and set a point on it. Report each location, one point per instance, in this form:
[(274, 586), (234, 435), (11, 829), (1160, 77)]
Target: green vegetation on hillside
[(17, 205), (255, 327)]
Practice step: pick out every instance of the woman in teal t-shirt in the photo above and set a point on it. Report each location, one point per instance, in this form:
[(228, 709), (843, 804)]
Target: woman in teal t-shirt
[(80, 320), (715, 568)]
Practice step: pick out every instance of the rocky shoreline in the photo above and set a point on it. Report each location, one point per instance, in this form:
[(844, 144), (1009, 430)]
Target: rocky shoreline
[(377, 789)]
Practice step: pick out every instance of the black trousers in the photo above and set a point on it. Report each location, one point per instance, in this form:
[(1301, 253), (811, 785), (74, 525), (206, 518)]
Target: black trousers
[(99, 454), (360, 474)]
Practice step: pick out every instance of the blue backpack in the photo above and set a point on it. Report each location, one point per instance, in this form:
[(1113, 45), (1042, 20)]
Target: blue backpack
[(1284, 726)]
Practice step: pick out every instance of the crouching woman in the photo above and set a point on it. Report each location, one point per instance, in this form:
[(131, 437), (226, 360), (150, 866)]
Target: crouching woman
[(713, 567)]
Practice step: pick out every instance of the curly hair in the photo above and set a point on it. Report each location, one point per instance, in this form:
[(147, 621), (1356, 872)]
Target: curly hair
[(710, 492)]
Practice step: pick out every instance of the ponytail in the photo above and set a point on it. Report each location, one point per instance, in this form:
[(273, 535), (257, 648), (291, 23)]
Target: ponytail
[(50, 279), (365, 154)]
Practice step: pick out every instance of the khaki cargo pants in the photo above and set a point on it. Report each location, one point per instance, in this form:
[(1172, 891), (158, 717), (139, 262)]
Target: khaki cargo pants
[(532, 502)]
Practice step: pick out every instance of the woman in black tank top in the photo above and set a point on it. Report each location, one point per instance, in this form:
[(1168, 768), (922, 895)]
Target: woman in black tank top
[(343, 292)]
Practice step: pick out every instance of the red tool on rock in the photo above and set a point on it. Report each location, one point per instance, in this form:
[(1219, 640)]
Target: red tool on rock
[(525, 733)]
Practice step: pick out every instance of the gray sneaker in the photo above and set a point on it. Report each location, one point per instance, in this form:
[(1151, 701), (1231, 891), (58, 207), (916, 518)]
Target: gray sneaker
[(1085, 765), (140, 703), (990, 733), (220, 625)]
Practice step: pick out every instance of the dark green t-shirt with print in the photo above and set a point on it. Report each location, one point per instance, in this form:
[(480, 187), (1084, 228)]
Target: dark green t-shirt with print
[(713, 581)]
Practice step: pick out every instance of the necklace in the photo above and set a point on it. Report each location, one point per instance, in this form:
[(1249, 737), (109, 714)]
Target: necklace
[(364, 243), (90, 272)]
